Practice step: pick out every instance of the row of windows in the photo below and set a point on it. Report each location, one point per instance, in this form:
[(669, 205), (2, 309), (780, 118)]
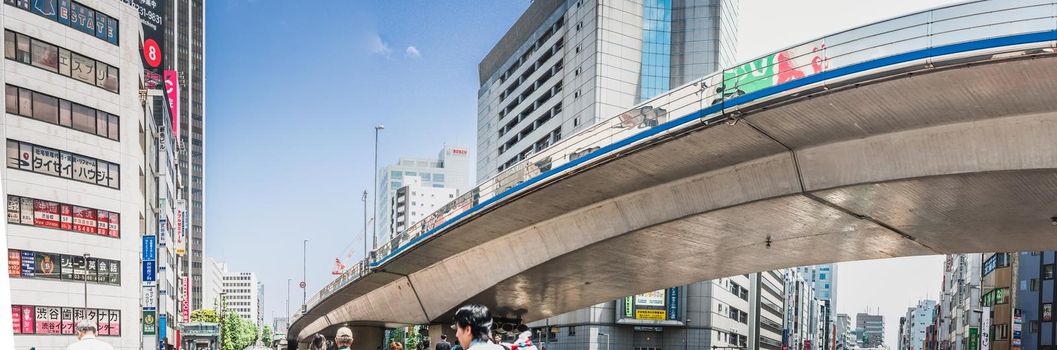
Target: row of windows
[(40, 54), (554, 136), (50, 109), (739, 291), (997, 260), (66, 217), (40, 265), (539, 121), (528, 72), (49, 161), (529, 109), (539, 42), (73, 15), (996, 296)]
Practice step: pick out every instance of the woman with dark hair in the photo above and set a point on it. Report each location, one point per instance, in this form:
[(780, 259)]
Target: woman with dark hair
[(396, 346), (473, 328), (319, 342)]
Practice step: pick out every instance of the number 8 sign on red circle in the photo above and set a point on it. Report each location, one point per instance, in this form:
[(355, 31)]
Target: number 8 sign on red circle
[(151, 53)]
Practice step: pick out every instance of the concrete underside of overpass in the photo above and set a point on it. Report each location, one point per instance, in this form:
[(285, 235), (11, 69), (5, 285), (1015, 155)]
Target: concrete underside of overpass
[(950, 160)]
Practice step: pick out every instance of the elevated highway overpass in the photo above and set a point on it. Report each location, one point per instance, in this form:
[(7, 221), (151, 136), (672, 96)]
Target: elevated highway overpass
[(931, 133)]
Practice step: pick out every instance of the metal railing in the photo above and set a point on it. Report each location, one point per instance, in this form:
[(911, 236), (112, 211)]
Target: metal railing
[(968, 29)]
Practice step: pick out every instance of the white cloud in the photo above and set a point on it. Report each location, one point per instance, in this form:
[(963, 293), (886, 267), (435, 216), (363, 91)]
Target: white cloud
[(412, 51), (379, 46)]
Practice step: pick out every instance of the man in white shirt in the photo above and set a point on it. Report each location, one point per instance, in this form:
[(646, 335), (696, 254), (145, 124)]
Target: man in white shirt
[(86, 338)]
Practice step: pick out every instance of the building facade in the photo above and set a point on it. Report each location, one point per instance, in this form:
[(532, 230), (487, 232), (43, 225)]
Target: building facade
[(567, 64), (871, 328), (74, 130), (958, 328), (212, 283), (414, 201), (766, 309), (241, 295), (845, 336), (450, 170), (914, 326), (996, 281), (184, 52), (1035, 300)]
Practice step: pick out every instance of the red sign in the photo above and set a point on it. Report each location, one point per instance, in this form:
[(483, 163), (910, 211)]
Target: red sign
[(14, 263), (48, 320), (84, 219), (66, 217), (302, 284), (172, 92), (459, 151), (151, 53), (115, 225), (103, 223), (16, 318), (185, 311), (27, 320), (45, 213)]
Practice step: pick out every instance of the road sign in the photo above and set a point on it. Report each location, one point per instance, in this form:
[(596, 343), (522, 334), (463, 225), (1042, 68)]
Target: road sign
[(302, 284)]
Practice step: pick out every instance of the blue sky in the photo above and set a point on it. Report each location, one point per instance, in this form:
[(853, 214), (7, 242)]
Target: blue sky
[(295, 90), (293, 93)]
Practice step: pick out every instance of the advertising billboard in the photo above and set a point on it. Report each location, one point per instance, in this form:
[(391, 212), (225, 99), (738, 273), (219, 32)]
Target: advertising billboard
[(658, 305), (172, 93), (55, 320), (152, 19), (985, 328)]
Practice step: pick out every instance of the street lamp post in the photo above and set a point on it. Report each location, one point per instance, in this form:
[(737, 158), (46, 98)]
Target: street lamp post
[(223, 305), (287, 303), (365, 224), (607, 339), (374, 239), (304, 275)]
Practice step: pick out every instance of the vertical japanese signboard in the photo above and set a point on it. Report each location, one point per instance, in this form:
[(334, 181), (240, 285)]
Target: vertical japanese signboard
[(152, 19), (185, 309), (181, 239), (985, 328), (172, 93), (150, 322)]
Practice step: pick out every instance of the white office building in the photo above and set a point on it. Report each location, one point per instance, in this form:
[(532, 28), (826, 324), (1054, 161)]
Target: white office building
[(567, 64), (241, 295), (74, 130), (414, 201), (450, 170), (212, 283), (917, 319)]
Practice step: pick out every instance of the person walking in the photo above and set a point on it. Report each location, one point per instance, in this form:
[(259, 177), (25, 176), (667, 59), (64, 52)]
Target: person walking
[(473, 327), (443, 344), (86, 331), (343, 339)]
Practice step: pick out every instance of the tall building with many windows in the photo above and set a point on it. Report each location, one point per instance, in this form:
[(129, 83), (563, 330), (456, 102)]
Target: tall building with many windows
[(959, 324), (1035, 299), (76, 141), (242, 295), (871, 330), (450, 171), (184, 51), (567, 64)]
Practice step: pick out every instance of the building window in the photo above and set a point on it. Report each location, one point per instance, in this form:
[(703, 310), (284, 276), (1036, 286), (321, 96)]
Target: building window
[(576, 94), (1047, 272), (74, 15), (1033, 285), (49, 109), (656, 48), (48, 161), (576, 121), (577, 48), (1047, 312), (1033, 326), (61, 61), (572, 331), (579, 25)]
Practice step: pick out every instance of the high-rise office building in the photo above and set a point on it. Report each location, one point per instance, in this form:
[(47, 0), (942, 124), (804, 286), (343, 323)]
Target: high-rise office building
[(872, 329), (74, 131), (567, 64), (1035, 300), (845, 336), (959, 323), (915, 324), (996, 283), (242, 295), (766, 309), (184, 52), (450, 170)]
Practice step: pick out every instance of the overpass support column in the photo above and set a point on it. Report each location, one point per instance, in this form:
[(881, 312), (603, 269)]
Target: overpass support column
[(368, 338)]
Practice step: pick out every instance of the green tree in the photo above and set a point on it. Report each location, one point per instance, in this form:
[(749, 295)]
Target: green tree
[(230, 329), (205, 315), (267, 337)]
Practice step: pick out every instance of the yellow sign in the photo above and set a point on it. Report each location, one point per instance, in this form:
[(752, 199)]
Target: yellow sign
[(656, 315)]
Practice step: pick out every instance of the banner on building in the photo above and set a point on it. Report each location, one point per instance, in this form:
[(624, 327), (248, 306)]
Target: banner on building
[(150, 244), (181, 240), (185, 308), (172, 93), (149, 275), (150, 322), (152, 19), (658, 305), (985, 329)]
